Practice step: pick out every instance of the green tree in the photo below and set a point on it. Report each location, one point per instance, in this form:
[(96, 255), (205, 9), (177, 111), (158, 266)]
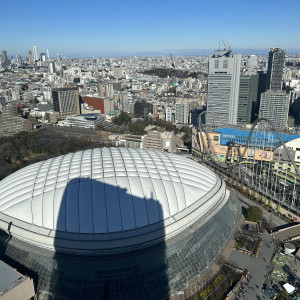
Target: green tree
[(283, 295), (137, 128), (25, 148), (254, 213), (122, 118)]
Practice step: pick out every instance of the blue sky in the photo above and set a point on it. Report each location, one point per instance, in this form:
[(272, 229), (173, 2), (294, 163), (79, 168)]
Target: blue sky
[(103, 28)]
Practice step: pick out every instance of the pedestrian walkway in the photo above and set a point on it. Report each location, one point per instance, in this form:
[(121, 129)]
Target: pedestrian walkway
[(257, 266)]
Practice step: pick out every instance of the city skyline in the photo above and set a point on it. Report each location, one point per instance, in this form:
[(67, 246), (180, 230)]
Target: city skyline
[(132, 28)]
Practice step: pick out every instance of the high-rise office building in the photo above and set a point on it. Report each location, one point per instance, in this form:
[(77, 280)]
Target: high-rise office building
[(43, 56), (274, 105), (247, 97), (30, 58), (251, 61), (182, 112), (275, 69), (223, 88), (48, 55), (35, 53), (66, 100), (109, 90), (168, 114), (124, 99), (4, 59), (100, 88), (19, 60), (51, 67)]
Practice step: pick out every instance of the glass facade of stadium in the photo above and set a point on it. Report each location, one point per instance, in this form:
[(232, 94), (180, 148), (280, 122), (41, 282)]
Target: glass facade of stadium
[(155, 272)]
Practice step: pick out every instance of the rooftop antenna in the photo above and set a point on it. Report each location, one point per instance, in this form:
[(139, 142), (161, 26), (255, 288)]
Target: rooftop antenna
[(224, 45), (229, 48)]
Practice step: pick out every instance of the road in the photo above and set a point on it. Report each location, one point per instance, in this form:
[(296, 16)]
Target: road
[(266, 214)]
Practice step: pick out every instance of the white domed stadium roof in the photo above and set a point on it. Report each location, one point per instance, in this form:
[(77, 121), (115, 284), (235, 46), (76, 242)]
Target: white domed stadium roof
[(108, 198)]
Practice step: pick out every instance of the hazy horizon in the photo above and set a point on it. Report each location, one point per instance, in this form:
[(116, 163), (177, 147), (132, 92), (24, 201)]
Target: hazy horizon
[(135, 28)]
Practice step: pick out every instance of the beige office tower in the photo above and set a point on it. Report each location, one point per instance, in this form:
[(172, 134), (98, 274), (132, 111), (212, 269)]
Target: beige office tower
[(30, 58), (101, 89), (66, 100)]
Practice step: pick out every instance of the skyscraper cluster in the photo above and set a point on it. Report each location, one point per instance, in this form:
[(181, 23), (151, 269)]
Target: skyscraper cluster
[(274, 103), (233, 93), (33, 58), (233, 88)]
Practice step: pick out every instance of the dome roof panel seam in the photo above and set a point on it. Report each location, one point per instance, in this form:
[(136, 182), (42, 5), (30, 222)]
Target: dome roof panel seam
[(169, 212), (117, 190), (144, 197), (106, 214), (129, 185)]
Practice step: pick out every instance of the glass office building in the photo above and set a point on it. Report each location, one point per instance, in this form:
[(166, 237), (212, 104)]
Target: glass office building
[(108, 224)]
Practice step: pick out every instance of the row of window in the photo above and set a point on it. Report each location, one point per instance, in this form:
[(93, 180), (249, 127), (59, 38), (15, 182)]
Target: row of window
[(225, 64)]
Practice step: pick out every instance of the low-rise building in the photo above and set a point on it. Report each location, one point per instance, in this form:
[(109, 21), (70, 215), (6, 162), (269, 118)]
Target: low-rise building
[(131, 141), (159, 141), (90, 121), (11, 124)]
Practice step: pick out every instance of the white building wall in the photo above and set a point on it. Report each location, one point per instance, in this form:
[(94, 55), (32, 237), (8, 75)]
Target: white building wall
[(168, 114), (223, 88)]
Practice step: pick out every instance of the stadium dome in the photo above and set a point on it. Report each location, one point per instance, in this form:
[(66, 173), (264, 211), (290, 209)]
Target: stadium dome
[(115, 223), (107, 198)]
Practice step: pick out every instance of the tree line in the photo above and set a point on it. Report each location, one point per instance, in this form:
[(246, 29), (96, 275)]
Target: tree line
[(25, 148)]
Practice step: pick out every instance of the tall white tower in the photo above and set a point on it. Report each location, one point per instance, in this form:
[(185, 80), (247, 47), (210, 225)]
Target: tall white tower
[(35, 53), (48, 56), (223, 88)]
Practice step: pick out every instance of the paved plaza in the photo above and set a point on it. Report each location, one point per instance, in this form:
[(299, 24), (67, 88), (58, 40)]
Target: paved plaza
[(257, 266)]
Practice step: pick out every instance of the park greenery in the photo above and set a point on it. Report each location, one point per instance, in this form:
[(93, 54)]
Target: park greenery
[(121, 119), (25, 148), (123, 124), (137, 128), (283, 295), (241, 242), (254, 213), (164, 73)]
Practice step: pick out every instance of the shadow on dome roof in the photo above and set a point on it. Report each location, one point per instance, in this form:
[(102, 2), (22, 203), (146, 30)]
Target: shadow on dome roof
[(132, 275)]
